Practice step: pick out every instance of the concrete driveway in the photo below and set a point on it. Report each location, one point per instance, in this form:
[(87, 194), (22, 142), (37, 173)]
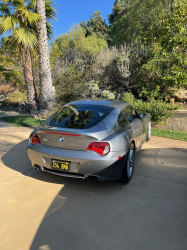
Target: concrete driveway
[(47, 212)]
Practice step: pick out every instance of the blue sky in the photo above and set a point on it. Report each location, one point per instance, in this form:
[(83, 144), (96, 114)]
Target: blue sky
[(73, 12)]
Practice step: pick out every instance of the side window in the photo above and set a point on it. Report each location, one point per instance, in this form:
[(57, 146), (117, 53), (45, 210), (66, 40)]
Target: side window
[(122, 121), (130, 113)]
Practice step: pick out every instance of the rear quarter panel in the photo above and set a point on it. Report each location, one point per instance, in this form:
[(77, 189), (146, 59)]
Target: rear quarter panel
[(120, 140), (145, 123)]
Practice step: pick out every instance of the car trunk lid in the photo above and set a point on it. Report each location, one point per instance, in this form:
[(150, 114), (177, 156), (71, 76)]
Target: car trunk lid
[(65, 139)]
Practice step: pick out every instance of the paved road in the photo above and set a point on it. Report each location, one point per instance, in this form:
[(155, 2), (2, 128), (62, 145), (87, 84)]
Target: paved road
[(4, 124), (47, 212)]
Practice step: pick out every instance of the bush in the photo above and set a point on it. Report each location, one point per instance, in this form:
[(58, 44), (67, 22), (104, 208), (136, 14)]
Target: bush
[(162, 67), (158, 109), (109, 68), (4, 89), (107, 94), (15, 98), (74, 85)]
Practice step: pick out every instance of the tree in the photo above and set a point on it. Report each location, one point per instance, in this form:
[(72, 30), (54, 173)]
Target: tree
[(164, 66), (10, 68), (118, 10), (76, 39), (130, 18), (17, 20), (96, 25), (47, 90)]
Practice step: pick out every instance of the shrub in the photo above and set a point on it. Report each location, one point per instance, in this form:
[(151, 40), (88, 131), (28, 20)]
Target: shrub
[(73, 85), (105, 93), (109, 68), (69, 86), (6, 88), (162, 67), (93, 85), (111, 96), (158, 109), (15, 98)]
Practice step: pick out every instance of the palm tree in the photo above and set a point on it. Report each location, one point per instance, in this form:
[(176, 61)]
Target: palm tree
[(17, 21), (18, 18), (47, 90)]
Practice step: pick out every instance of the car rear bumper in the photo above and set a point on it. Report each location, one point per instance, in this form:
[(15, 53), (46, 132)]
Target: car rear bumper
[(82, 163)]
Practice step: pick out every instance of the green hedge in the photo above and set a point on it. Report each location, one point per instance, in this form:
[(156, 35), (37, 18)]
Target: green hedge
[(158, 109)]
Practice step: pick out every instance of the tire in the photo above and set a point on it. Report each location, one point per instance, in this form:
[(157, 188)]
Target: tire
[(149, 132), (129, 165)]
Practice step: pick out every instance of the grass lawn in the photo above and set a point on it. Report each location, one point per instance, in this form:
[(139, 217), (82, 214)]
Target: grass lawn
[(22, 121), (177, 135)]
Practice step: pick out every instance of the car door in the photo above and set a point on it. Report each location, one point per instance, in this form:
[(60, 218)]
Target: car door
[(136, 124)]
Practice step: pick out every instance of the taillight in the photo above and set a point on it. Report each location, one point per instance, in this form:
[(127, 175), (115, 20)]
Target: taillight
[(102, 148), (34, 139)]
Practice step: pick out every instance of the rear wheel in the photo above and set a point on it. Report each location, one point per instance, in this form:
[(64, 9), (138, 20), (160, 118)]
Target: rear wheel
[(149, 132), (129, 165)]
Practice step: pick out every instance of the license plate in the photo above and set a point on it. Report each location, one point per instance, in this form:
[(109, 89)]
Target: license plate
[(60, 165)]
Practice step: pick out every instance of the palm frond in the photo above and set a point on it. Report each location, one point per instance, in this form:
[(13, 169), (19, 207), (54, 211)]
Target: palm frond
[(50, 8), (25, 39), (12, 4), (50, 32), (19, 18), (32, 17), (33, 4), (8, 23)]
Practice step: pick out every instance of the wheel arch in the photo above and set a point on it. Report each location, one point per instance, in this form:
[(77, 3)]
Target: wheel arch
[(133, 141)]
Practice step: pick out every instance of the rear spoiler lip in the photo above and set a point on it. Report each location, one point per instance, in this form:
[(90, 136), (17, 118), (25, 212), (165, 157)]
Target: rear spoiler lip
[(60, 133)]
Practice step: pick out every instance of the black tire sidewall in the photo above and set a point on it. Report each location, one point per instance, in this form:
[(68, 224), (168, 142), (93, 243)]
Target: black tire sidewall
[(124, 177)]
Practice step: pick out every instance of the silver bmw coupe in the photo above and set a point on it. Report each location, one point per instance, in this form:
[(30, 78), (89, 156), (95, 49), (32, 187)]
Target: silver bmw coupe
[(91, 140)]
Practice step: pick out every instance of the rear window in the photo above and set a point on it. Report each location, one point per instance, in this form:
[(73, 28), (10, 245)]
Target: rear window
[(79, 116)]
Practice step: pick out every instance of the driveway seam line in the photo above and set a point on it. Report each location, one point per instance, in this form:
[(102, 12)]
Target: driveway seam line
[(161, 179), (15, 177)]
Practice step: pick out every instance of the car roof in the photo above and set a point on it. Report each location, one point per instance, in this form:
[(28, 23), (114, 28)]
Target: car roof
[(102, 102)]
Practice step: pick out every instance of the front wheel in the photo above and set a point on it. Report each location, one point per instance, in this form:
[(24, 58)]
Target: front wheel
[(129, 165)]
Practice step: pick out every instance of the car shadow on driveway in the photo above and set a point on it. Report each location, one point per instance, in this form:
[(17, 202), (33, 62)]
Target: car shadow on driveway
[(152, 162), (148, 213)]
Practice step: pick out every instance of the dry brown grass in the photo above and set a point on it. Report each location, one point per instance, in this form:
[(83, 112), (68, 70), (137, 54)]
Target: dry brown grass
[(15, 98), (4, 89)]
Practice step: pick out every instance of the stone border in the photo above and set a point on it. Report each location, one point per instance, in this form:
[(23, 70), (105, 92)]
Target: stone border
[(180, 111)]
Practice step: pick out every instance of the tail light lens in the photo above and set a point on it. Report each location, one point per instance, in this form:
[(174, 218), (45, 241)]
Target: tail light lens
[(34, 139), (102, 148)]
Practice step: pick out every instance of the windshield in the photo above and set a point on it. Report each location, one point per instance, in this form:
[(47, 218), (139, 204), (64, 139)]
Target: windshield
[(78, 116)]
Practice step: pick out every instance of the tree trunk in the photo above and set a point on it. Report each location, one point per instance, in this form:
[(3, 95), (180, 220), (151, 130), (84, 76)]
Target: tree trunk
[(31, 92), (47, 90)]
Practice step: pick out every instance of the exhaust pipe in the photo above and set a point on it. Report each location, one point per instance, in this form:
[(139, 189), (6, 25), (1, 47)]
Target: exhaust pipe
[(89, 178), (37, 167)]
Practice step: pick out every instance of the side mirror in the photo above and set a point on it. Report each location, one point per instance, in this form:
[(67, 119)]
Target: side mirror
[(142, 115)]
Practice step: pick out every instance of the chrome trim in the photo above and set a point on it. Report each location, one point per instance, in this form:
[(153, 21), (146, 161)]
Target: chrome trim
[(62, 174)]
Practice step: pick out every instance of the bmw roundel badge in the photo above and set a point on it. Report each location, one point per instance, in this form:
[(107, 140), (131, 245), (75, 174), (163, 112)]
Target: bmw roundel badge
[(60, 139)]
